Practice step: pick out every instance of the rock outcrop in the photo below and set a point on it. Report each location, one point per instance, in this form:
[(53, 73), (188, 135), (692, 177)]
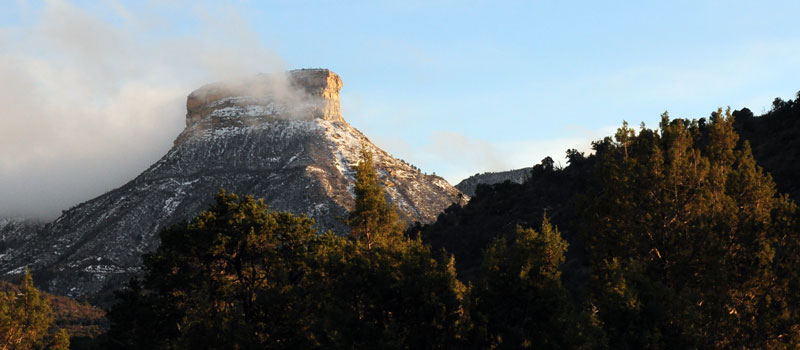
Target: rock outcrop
[(278, 138), (304, 94), (468, 185)]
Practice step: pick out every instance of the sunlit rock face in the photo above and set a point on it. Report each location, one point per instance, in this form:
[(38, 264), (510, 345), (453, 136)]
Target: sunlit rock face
[(468, 185), (300, 94), (277, 137)]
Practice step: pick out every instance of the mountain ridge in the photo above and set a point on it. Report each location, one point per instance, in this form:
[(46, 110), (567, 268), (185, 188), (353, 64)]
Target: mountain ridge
[(269, 138)]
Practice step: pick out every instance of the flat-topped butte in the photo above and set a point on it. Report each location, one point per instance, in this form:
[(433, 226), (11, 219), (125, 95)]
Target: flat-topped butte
[(297, 94)]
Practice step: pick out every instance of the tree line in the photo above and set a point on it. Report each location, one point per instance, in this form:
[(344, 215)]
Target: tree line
[(667, 238)]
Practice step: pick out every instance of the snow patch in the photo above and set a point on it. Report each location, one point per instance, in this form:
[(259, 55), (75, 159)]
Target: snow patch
[(17, 271), (171, 203), (247, 111), (103, 269)]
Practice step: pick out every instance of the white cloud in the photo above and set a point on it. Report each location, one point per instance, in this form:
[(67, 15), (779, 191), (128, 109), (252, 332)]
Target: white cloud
[(89, 101)]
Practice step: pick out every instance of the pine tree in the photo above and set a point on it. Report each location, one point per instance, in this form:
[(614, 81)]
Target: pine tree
[(373, 220), (519, 302), (380, 289), (682, 240)]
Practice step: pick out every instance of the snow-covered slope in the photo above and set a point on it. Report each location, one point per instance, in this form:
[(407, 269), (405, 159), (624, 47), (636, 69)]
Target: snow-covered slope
[(285, 143)]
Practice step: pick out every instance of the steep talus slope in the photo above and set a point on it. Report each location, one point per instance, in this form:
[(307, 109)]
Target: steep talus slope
[(283, 140)]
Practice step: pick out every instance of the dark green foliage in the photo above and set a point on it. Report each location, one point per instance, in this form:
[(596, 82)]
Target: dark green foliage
[(241, 276), (381, 289), (497, 210), (387, 297), (677, 239), (775, 142), (519, 302), (225, 280), (680, 240)]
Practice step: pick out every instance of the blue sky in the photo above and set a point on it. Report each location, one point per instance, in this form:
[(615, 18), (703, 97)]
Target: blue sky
[(454, 87)]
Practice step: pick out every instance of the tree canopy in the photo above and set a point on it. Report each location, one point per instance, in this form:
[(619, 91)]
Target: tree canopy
[(666, 238), (678, 238), (242, 276), (687, 240)]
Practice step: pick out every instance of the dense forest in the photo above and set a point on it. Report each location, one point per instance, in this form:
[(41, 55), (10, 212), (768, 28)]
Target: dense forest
[(662, 218), (775, 140), (671, 238)]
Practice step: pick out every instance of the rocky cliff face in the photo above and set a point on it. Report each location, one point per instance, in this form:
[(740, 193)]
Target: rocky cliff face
[(304, 94), (468, 185), (278, 138)]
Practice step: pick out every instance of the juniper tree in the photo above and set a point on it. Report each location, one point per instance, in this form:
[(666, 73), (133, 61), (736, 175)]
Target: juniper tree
[(25, 317)]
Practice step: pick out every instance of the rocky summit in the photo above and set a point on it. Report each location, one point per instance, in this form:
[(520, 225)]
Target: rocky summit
[(278, 137)]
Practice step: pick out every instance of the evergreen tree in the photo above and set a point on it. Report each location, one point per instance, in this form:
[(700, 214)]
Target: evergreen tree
[(226, 280), (519, 302), (387, 297), (681, 239), (380, 289), (25, 317), (373, 219), (241, 276)]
